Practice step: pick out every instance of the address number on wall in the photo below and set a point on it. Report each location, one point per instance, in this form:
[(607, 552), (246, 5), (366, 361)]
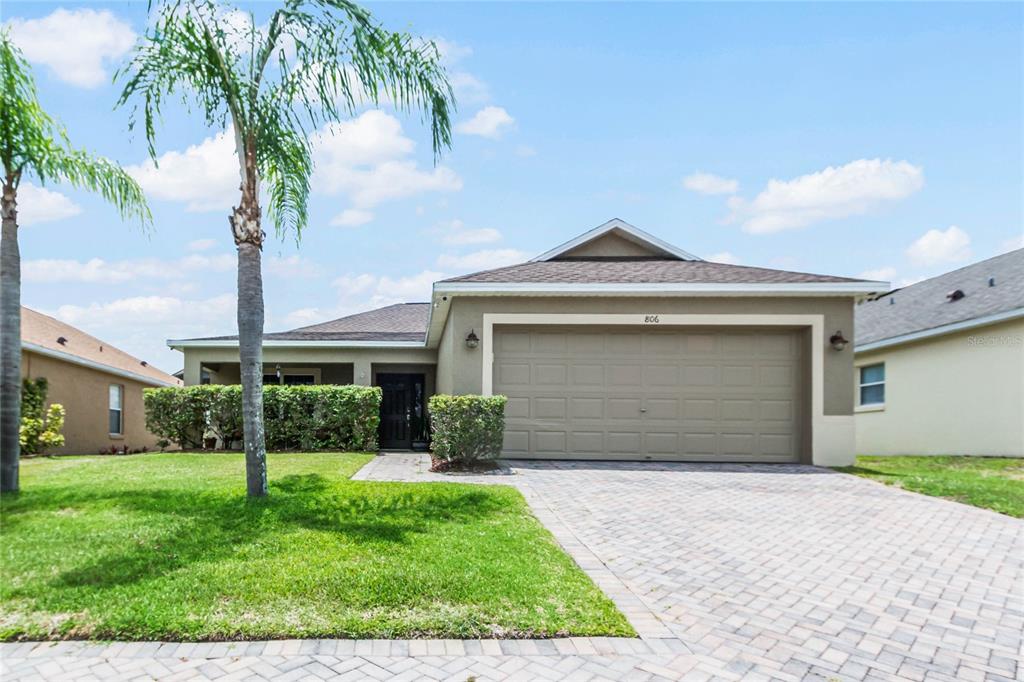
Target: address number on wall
[(651, 319)]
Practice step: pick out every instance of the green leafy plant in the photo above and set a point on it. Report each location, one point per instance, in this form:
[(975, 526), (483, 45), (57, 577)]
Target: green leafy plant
[(314, 62), (467, 428), (325, 417), (39, 429)]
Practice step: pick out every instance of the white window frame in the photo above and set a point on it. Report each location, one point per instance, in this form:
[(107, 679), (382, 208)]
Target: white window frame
[(120, 410), (870, 407)]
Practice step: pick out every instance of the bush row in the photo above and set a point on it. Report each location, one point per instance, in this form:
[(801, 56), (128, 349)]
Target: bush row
[(467, 428), (326, 417)]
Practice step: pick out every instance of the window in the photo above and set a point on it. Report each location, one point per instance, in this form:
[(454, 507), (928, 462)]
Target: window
[(116, 412), (270, 379), (299, 379), (872, 384)]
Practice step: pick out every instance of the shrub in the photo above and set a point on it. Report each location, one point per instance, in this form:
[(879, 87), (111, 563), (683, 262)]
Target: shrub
[(325, 417), (467, 428), (39, 431)]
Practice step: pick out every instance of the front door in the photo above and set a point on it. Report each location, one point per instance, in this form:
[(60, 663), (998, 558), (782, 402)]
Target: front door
[(402, 411)]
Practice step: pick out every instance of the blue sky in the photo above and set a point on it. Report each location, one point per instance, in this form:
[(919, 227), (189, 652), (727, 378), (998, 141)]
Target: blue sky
[(853, 139)]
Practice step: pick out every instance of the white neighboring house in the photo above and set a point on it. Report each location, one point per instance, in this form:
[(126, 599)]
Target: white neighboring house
[(939, 365)]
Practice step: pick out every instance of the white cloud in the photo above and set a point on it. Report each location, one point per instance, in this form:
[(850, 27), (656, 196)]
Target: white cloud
[(201, 244), (491, 122), (482, 260), (883, 274), (99, 271), (455, 233), (936, 247), (352, 217), (1012, 244), (77, 45), (292, 267), (724, 257), (40, 205), (140, 324), (359, 292), (204, 176), (468, 88), (451, 51), (709, 183), (835, 192), (366, 159)]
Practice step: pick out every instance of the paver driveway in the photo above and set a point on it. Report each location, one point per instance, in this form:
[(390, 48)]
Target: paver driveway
[(728, 572), (799, 569)]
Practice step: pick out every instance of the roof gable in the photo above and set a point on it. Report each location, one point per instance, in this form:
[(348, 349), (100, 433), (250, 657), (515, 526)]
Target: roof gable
[(615, 239)]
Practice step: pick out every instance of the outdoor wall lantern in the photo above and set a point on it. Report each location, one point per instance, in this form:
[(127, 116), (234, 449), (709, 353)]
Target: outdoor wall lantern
[(472, 340), (837, 341)]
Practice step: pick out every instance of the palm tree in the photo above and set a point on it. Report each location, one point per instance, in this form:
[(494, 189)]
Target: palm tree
[(314, 62), (33, 145)]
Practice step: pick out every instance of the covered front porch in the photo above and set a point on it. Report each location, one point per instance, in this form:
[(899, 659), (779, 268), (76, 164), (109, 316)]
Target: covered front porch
[(407, 378)]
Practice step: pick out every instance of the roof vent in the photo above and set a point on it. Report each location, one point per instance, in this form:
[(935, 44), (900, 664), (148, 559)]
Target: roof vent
[(62, 340), (892, 300), (991, 281), (955, 295), (144, 363)]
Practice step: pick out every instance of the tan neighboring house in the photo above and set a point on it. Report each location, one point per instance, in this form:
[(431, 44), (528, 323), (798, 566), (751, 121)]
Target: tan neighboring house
[(940, 364), (99, 385), (614, 345)]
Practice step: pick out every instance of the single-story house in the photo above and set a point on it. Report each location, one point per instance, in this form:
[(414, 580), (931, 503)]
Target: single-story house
[(99, 385), (940, 364), (613, 345)]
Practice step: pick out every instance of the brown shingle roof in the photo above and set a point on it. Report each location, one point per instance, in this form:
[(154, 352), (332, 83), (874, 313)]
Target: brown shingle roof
[(399, 322), (640, 271), (44, 331)]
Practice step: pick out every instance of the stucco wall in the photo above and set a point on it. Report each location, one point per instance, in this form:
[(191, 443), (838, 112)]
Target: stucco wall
[(84, 393), (464, 371), (959, 394)]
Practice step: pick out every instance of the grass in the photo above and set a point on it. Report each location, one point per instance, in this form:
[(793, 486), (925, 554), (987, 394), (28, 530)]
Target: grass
[(166, 546), (995, 483)]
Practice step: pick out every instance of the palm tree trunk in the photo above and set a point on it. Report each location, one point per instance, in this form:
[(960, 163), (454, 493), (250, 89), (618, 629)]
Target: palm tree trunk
[(248, 234), (10, 339)]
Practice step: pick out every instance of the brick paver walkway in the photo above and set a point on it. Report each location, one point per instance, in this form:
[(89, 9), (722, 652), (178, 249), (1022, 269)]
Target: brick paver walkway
[(727, 571)]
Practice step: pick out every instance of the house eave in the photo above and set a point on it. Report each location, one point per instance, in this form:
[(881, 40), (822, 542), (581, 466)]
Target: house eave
[(941, 330), (98, 366), (859, 288), (179, 344)]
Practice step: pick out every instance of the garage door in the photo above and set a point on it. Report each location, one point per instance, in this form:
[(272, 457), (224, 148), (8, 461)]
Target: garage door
[(697, 394)]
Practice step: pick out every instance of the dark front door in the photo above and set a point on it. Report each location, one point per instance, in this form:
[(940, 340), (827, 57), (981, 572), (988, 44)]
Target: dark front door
[(402, 411)]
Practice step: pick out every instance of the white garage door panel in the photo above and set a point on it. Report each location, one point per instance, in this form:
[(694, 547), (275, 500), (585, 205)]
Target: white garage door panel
[(704, 395)]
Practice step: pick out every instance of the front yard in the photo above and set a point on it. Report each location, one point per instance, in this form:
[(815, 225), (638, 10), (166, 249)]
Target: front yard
[(166, 546), (995, 483)]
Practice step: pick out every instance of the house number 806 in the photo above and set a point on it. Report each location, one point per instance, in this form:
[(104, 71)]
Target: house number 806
[(651, 319)]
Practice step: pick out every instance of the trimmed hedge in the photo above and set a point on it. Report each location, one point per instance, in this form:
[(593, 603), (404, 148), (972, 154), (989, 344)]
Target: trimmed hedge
[(323, 417), (467, 428)]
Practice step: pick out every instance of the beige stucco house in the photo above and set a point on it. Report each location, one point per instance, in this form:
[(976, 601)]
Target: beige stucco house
[(940, 364), (99, 385), (613, 345)]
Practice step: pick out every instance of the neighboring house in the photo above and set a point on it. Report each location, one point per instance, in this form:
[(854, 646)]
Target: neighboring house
[(940, 364), (614, 345), (99, 386)]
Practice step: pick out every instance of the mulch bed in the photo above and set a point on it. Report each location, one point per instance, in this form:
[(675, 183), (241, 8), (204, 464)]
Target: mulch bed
[(440, 466)]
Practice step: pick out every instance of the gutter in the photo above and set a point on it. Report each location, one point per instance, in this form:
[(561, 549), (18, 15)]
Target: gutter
[(649, 288), (82, 362), (178, 344), (941, 330)]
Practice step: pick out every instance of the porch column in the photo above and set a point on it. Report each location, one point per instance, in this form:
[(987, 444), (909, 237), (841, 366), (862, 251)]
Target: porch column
[(193, 368), (361, 371)]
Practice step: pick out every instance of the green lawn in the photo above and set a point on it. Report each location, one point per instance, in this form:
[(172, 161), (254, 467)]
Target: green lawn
[(166, 546), (995, 483)]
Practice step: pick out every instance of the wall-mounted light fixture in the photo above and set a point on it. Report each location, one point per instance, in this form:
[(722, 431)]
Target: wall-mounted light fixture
[(472, 340), (277, 372), (838, 341)]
